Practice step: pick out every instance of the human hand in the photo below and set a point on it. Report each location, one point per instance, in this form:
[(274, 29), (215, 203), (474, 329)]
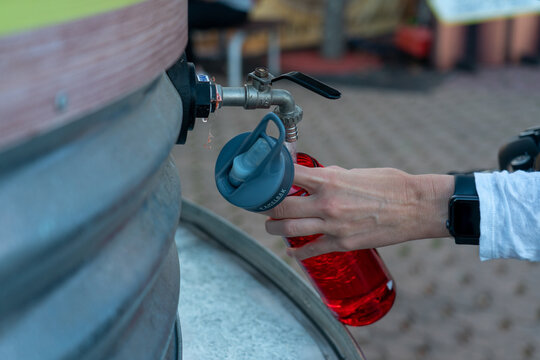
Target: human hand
[(361, 208)]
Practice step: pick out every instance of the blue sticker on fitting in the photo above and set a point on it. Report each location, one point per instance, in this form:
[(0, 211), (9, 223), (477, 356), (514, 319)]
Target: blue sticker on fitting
[(203, 78)]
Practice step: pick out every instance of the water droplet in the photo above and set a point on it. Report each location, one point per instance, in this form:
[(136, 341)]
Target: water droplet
[(208, 144)]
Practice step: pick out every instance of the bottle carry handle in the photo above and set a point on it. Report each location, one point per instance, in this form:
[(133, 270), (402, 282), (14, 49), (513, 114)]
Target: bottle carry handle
[(259, 131)]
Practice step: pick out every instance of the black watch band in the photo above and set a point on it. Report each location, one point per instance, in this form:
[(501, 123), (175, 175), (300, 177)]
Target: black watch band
[(465, 185), (464, 211)]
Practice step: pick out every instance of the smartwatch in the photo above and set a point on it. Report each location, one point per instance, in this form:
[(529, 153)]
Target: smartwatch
[(464, 211)]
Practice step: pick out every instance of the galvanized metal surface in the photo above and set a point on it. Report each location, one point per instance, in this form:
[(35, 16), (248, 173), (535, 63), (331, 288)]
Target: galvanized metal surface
[(88, 268), (239, 301)]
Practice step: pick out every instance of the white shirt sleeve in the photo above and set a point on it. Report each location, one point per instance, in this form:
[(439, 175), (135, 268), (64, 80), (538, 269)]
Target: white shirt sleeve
[(509, 215)]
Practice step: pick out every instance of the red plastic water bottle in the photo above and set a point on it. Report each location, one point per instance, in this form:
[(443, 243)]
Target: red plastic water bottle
[(355, 285)]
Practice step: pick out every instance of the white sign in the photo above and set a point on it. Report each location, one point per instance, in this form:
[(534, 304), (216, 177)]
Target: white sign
[(472, 11)]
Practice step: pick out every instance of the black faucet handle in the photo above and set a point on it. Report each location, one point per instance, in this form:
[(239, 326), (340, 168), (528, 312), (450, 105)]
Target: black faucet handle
[(309, 83)]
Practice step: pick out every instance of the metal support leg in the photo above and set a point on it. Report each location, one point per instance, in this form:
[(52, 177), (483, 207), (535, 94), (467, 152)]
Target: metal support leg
[(234, 59), (274, 52)]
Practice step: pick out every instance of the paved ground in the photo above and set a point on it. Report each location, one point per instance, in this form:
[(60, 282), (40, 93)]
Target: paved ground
[(449, 304)]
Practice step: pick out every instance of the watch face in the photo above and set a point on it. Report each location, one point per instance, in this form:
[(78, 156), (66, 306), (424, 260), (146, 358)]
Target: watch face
[(466, 215)]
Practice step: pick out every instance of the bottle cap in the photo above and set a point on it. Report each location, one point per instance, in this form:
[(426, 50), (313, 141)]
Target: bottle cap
[(255, 171), (246, 163)]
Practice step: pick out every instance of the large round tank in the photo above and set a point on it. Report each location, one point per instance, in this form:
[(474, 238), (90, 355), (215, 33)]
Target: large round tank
[(89, 199)]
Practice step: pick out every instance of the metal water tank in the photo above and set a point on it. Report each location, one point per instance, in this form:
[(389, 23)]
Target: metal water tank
[(90, 204), (89, 199)]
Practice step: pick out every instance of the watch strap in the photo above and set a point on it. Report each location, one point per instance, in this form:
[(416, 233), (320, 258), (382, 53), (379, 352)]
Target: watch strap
[(465, 185)]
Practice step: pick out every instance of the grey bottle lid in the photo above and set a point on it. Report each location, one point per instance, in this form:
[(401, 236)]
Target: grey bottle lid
[(270, 181)]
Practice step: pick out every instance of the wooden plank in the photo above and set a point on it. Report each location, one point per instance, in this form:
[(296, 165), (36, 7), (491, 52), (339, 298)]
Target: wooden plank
[(492, 42), (524, 37), (51, 76), (448, 45)]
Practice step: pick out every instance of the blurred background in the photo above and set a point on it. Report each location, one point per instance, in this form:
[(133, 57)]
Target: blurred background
[(427, 87)]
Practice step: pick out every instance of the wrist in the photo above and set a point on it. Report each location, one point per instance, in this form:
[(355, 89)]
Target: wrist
[(431, 194)]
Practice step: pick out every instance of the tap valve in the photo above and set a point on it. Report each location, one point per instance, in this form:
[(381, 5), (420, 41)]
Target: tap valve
[(259, 94), (202, 96)]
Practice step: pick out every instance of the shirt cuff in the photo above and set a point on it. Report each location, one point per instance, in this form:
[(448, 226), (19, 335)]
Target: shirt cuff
[(484, 188)]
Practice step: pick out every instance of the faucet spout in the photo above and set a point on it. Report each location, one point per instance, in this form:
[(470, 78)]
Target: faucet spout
[(249, 97), (201, 96)]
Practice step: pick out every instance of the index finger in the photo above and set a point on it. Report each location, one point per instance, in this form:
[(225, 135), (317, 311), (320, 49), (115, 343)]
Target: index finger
[(294, 207), (319, 246), (307, 178)]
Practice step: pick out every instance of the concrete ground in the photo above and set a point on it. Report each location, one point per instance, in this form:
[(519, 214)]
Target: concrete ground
[(450, 305)]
